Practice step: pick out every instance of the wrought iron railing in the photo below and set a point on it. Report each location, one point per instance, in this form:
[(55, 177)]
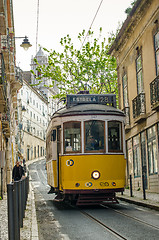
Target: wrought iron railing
[(139, 105), (154, 91), (3, 75), (127, 115)]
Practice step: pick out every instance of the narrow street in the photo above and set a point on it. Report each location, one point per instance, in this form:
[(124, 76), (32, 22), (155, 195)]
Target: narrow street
[(61, 221)]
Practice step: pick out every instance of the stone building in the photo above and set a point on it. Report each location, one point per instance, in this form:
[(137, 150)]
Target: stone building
[(10, 83), (136, 49), (33, 121), (46, 82)]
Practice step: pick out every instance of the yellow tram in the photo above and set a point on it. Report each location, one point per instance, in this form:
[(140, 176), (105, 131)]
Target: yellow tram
[(85, 150)]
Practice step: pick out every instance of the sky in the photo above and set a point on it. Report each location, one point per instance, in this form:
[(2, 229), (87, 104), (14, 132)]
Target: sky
[(57, 18)]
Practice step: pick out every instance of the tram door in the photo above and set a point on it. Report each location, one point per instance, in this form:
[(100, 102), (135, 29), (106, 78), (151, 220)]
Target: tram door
[(58, 152)]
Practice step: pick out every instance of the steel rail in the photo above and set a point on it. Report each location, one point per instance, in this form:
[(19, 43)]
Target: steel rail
[(134, 218), (119, 236)]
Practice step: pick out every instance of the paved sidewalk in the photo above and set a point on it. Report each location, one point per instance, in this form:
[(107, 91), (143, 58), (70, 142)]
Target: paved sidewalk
[(152, 199), (30, 228)]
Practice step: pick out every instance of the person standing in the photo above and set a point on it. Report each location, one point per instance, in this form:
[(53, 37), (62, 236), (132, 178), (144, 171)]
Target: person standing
[(17, 172)]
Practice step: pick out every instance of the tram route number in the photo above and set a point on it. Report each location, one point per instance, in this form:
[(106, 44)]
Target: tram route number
[(103, 99)]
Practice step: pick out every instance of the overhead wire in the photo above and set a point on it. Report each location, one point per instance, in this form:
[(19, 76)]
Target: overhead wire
[(91, 23), (37, 26)]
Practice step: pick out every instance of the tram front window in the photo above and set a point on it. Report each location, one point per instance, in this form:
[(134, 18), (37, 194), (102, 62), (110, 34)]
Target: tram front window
[(114, 136), (72, 137), (94, 136)]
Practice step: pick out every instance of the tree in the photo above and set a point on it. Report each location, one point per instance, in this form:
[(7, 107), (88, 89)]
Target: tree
[(90, 68), (128, 10)]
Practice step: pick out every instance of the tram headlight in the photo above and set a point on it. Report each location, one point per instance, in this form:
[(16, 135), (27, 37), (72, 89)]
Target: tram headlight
[(95, 174)]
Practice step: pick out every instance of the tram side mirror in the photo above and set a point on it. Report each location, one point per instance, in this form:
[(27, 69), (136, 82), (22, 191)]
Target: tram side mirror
[(53, 135)]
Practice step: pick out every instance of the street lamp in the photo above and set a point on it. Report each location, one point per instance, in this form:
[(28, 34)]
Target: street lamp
[(7, 42), (25, 44)]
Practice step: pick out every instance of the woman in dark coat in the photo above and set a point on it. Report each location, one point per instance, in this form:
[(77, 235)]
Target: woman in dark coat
[(17, 172)]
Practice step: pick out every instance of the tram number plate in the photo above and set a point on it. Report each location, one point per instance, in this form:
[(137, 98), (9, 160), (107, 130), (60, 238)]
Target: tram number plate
[(103, 99)]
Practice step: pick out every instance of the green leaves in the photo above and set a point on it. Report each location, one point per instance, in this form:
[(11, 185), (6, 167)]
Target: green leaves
[(90, 68)]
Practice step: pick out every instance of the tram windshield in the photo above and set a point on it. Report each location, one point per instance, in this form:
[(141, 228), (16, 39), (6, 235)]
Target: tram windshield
[(114, 136), (72, 137), (94, 136)]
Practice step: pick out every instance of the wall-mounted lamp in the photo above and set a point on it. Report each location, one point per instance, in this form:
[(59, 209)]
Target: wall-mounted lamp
[(25, 44), (7, 42)]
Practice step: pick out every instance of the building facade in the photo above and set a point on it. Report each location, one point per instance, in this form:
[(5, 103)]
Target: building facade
[(46, 85), (10, 83), (136, 49), (33, 121)]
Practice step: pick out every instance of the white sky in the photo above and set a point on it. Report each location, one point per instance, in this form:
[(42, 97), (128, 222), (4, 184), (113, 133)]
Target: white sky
[(57, 18)]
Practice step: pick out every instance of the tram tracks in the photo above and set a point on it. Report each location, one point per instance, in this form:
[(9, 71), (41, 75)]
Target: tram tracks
[(131, 217), (111, 230), (118, 235)]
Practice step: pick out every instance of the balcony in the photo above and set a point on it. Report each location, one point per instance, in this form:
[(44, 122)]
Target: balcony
[(5, 118), (154, 93), (126, 110), (3, 84), (139, 108), (17, 82)]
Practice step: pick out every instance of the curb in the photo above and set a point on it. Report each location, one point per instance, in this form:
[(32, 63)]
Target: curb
[(139, 203), (34, 227)]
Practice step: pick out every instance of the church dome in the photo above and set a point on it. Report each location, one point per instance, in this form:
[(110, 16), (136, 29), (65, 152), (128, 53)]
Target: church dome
[(40, 53)]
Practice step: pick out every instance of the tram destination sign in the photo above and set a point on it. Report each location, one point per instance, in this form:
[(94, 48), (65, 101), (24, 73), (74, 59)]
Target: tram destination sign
[(105, 99)]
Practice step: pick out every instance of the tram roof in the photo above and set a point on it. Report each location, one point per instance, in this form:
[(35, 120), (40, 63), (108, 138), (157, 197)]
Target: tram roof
[(85, 109)]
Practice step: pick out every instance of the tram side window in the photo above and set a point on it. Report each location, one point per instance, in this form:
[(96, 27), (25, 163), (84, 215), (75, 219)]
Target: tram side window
[(53, 135), (114, 136), (94, 136), (72, 137)]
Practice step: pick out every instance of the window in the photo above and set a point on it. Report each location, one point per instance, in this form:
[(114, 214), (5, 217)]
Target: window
[(157, 52), (94, 136), (139, 74), (136, 156), (34, 152), (152, 150), (130, 157), (114, 136), (22, 92), (72, 137), (53, 135), (125, 91), (143, 151), (28, 126), (33, 102)]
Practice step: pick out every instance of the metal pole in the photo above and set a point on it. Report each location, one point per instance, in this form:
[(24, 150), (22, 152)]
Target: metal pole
[(16, 210), (143, 186), (23, 199), (2, 183), (20, 204), (10, 212), (24, 180), (131, 194)]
